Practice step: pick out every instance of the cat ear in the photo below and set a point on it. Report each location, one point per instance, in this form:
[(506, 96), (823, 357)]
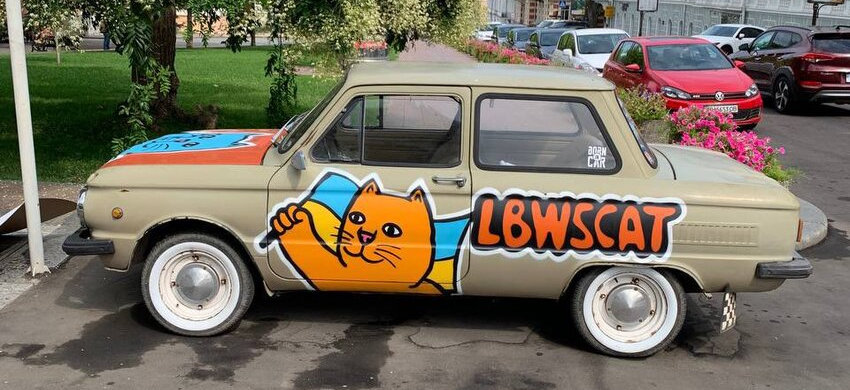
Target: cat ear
[(371, 187), (418, 195)]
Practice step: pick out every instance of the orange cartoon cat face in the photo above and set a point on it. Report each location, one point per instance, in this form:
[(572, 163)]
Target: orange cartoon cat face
[(390, 237)]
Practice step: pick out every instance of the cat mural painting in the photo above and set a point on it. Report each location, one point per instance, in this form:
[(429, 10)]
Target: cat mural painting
[(437, 179)]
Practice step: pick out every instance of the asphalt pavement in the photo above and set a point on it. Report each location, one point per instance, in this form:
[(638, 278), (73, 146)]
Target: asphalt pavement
[(86, 327)]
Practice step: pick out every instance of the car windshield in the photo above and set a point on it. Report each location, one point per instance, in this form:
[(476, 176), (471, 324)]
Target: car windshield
[(550, 38), (301, 125), (503, 31), (720, 31), (832, 43), (544, 24), (522, 35), (700, 56), (598, 43)]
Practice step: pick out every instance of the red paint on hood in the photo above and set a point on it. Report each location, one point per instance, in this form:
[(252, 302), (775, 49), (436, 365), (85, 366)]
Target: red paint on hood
[(203, 147), (706, 81)]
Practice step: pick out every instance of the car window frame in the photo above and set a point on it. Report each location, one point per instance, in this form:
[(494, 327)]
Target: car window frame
[(362, 136), (759, 32), (476, 132), (774, 46), (620, 49)]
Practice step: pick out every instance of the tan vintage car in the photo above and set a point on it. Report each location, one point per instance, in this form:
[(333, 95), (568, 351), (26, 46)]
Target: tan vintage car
[(482, 179)]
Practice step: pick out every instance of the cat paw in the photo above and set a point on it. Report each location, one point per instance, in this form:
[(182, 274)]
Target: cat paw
[(288, 218)]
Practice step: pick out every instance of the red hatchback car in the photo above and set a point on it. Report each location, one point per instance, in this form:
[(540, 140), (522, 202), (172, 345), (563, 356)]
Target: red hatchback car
[(686, 71)]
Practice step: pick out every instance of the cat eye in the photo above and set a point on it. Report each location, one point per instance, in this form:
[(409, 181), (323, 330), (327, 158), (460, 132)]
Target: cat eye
[(391, 230), (356, 217)]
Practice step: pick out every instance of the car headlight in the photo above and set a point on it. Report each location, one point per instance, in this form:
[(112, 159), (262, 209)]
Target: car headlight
[(675, 93), (753, 90), (81, 201)]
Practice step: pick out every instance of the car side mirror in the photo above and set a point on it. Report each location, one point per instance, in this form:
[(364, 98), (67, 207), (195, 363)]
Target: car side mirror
[(568, 52), (740, 65), (298, 161), (741, 36), (744, 47), (633, 68)]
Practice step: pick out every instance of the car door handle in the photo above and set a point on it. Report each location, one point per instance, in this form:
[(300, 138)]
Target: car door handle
[(458, 181)]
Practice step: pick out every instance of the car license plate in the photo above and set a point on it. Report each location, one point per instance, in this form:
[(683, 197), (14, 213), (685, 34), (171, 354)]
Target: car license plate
[(726, 109)]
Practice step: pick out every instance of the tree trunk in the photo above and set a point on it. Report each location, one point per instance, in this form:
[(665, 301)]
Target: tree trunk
[(164, 46), (58, 55), (253, 38), (190, 26)]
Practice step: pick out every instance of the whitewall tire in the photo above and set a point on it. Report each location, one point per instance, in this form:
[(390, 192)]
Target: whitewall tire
[(196, 285), (628, 311)]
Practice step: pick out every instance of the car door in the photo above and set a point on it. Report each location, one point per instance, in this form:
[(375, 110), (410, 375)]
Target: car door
[(635, 56), (558, 56), (377, 200), (754, 59), (783, 44), (540, 183)]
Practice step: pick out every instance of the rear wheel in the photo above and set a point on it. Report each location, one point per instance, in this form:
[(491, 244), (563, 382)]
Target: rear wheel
[(196, 285), (627, 311), (783, 95)]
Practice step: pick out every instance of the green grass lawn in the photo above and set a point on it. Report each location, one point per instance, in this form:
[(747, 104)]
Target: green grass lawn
[(75, 105)]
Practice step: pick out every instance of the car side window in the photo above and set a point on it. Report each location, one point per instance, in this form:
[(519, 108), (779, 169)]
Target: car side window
[(785, 39), (556, 134), (622, 52), (562, 43), (571, 43), (763, 41), (341, 143), (635, 55), (412, 130), (750, 32)]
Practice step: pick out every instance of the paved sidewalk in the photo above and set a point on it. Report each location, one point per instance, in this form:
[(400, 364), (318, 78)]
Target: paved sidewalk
[(421, 51)]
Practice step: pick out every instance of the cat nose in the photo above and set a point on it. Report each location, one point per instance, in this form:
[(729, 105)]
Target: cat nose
[(366, 237)]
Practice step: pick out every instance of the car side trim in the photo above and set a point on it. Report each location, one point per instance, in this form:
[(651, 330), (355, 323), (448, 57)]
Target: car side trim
[(81, 243), (797, 268)]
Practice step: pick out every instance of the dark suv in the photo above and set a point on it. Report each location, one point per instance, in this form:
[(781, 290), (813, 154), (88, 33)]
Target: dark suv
[(799, 65)]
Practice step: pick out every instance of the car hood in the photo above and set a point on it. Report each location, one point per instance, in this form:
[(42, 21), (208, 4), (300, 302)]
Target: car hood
[(714, 38), (697, 164), (202, 147), (596, 60), (705, 81)]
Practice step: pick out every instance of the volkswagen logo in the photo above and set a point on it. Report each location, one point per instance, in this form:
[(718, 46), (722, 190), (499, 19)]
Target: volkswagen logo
[(719, 96)]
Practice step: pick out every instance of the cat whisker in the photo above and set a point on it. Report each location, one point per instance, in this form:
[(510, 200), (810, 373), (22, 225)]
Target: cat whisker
[(344, 233), (379, 250), (386, 259)]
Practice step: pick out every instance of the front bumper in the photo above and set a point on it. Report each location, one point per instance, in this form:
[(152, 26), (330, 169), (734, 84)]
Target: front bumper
[(81, 243), (749, 109), (797, 268)]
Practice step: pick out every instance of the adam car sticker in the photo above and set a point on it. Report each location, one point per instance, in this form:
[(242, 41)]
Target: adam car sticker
[(345, 233)]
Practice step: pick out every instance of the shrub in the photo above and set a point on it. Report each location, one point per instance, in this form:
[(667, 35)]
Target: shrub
[(642, 104), (491, 52), (709, 129)]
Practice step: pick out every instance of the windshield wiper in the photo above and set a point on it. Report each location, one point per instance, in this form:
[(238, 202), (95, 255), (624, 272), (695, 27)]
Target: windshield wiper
[(291, 123)]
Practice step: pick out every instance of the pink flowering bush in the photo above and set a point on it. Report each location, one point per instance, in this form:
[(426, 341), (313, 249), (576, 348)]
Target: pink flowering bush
[(491, 52), (709, 129)]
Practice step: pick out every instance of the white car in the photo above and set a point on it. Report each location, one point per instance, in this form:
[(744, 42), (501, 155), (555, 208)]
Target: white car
[(587, 49), (729, 37), (486, 32)]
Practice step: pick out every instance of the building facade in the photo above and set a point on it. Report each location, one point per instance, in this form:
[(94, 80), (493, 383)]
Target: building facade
[(676, 17), (694, 16)]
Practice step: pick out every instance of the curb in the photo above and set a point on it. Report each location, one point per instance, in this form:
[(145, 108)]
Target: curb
[(814, 225)]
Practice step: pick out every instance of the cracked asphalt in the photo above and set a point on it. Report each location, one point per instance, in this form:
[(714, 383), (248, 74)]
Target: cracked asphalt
[(84, 327)]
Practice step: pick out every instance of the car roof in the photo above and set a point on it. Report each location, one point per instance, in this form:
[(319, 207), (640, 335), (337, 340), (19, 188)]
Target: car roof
[(668, 40), (526, 28), (592, 31), (738, 25), (474, 75)]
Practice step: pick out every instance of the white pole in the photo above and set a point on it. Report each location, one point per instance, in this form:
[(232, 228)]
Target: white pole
[(25, 143)]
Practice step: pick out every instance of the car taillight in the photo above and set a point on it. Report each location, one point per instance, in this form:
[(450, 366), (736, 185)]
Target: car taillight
[(811, 84), (817, 57)]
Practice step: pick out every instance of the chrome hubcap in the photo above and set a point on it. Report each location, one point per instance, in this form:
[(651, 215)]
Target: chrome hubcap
[(196, 284), (629, 307), (782, 96)]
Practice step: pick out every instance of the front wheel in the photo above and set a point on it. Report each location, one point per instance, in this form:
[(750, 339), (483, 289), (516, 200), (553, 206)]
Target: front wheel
[(627, 311), (196, 285), (783, 96)]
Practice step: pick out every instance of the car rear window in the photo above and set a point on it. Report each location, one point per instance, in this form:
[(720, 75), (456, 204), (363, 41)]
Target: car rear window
[(832, 43), (550, 38)]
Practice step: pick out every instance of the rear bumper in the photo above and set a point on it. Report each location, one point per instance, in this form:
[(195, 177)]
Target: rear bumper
[(81, 243), (831, 96), (797, 268)]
